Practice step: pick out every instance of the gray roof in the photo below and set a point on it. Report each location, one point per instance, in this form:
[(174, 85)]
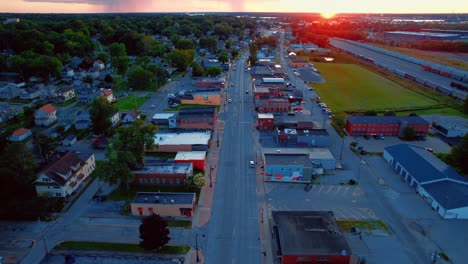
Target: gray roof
[(412, 120), (449, 194), (308, 233), (287, 159), (197, 111), (166, 168), (421, 164), (164, 198)]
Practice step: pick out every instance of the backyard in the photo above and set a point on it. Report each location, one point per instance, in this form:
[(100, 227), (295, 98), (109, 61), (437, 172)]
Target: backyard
[(132, 101), (349, 87)]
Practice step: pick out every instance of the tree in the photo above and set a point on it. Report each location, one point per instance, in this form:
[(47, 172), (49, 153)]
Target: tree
[(117, 50), (213, 71), (20, 163), (178, 59), (197, 70), (185, 44), (154, 233), (460, 155), (465, 106), (44, 146), (389, 113), (100, 113), (234, 53), (88, 79), (370, 113), (195, 182), (121, 64), (139, 78), (409, 133), (223, 56), (103, 56)]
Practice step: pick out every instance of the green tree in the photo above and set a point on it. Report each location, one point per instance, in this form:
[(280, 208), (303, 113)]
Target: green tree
[(197, 70), (154, 233), (465, 106), (223, 56), (195, 182), (103, 56), (234, 53), (213, 71), (19, 161), (178, 59), (100, 113), (459, 155), (139, 78), (389, 113), (88, 79), (121, 64), (370, 113), (117, 50), (44, 146), (185, 44)]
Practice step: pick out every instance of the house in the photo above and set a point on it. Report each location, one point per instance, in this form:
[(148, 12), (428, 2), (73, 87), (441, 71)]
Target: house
[(7, 112), (31, 93), (107, 93), (163, 174), (130, 117), (64, 94), (265, 121), (45, 115), (202, 118), (47, 93), (69, 140), (309, 237), (162, 119), (99, 65), (83, 120), (440, 186), (164, 204), (93, 72), (196, 158), (20, 134), (65, 175), (85, 94), (202, 97), (386, 125), (115, 119), (9, 91), (184, 141)]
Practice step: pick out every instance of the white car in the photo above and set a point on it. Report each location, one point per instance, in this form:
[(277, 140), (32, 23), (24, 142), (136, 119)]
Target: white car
[(230, 100)]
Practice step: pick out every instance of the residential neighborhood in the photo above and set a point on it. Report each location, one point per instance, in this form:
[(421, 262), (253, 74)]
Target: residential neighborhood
[(242, 139)]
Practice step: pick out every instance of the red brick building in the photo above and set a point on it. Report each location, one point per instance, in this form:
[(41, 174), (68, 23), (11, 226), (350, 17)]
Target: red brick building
[(298, 63), (273, 105), (163, 174), (385, 125), (265, 121), (197, 118), (196, 158)]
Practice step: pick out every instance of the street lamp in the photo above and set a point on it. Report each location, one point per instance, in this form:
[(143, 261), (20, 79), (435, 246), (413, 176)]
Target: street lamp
[(211, 171), (196, 244)]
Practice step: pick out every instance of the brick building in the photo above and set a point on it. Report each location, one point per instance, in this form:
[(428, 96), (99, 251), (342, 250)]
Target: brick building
[(273, 105), (196, 158), (186, 141), (163, 174), (265, 121), (163, 204), (196, 118), (386, 125), (203, 97)]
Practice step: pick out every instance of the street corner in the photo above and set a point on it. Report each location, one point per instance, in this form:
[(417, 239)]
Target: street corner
[(204, 215)]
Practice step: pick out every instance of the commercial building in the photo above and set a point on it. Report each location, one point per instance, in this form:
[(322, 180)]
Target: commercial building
[(163, 174), (309, 237), (163, 204), (202, 97), (273, 105), (196, 158), (162, 119), (265, 121), (386, 125), (202, 118), (304, 137), (451, 126), (440, 186), (181, 141)]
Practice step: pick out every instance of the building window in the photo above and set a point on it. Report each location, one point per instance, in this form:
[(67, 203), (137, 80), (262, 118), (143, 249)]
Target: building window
[(178, 181), (141, 180), (58, 194), (56, 187), (152, 180), (45, 179), (171, 181), (163, 180)]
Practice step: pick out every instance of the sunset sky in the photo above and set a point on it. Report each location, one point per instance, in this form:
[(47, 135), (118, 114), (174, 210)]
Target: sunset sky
[(315, 6)]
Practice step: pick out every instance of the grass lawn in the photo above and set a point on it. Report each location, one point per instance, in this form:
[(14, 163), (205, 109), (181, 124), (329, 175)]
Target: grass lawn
[(346, 225), (121, 247), (350, 87), (130, 102)]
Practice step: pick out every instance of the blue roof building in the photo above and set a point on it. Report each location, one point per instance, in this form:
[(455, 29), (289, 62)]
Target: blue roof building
[(441, 186)]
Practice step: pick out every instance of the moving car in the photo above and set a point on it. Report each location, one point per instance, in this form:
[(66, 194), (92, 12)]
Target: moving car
[(230, 100), (251, 164)]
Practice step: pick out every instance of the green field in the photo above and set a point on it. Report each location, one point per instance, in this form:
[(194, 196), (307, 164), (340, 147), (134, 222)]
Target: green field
[(349, 87), (131, 101)]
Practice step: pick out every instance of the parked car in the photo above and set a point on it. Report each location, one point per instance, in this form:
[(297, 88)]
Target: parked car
[(230, 100), (366, 137), (376, 137), (381, 136)]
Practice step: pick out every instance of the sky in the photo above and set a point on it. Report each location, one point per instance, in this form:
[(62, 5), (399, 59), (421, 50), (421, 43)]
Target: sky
[(313, 6)]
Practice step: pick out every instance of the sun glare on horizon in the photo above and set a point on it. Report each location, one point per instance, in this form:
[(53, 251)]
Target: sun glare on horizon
[(327, 15)]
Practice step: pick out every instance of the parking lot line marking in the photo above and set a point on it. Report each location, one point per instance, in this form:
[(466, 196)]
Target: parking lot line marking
[(357, 211), (329, 189), (346, 190), (338, 189), (357, 192), (321, 187), (369, 212)]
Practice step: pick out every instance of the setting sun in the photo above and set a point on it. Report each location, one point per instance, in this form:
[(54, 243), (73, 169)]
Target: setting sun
[(327, 15)]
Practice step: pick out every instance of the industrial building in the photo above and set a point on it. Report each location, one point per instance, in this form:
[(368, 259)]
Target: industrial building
[(385, 125), (163, 204), (181, 141), (304, 137), (439, 185), (163, 174), (309, 237), (451, 126)]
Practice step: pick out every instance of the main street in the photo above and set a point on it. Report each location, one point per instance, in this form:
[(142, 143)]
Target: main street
[(232, 234)]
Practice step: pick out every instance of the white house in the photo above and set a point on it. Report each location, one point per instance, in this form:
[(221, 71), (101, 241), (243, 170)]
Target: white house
[(130, 117), (45, 115), (115, 119), (64, 176), (107, 93)]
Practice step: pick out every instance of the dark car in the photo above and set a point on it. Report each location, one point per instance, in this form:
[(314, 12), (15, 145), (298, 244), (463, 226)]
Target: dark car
[(366, 137), (376, 137)]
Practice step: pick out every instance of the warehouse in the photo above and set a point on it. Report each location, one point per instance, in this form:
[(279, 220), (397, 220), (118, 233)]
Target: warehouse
[(451, 126), (385, 125), (414, 36), (440, 186)]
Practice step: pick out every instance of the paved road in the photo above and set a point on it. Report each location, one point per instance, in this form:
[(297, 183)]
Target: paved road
[(233, 231), (405, 66)]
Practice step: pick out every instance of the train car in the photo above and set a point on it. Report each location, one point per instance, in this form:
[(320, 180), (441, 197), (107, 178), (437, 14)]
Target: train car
[(459, 94), (430, 85), (419, 80), (459, 86), (445, 90), (410, 77), (444, 73), (435, 70), (426, 68)]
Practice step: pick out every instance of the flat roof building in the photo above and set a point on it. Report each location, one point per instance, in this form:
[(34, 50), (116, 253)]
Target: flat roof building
[(413, 36), (163, 204), (181, 141)]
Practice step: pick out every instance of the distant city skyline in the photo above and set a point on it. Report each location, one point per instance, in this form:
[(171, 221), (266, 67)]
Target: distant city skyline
[(309, 6)]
